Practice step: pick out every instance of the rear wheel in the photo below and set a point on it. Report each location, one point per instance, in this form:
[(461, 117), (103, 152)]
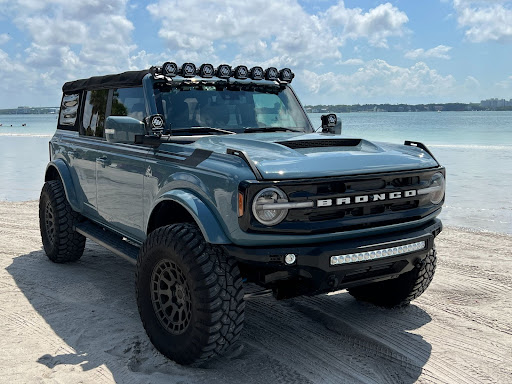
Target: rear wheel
[(401, 291), (189, 295), (56, 222)]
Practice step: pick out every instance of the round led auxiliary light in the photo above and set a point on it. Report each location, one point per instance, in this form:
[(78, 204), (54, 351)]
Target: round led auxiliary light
[(241, 72), (286, 75), (188, 70), (206, 70), (224, 71), (257, 73), (170, 69), (271, 73)]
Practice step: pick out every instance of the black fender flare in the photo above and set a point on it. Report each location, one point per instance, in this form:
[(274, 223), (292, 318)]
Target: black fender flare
[(62, 169)]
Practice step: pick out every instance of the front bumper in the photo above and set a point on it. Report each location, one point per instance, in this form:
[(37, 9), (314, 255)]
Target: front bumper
[(312, 272)]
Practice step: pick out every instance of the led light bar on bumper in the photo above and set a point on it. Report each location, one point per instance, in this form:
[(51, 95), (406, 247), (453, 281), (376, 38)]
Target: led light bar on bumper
[(378, 253)]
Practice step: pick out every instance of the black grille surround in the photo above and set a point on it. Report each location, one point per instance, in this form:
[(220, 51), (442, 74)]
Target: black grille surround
[(346, 217)]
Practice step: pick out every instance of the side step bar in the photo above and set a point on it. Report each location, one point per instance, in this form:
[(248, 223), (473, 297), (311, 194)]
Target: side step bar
[(109, 240)]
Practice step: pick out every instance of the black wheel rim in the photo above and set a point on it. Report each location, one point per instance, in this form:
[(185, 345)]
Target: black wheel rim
[(170, 295), (49, 220)]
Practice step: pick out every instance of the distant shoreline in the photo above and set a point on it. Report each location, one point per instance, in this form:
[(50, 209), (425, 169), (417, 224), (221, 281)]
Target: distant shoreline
[(446, 107), (30, 111), (320, 108)]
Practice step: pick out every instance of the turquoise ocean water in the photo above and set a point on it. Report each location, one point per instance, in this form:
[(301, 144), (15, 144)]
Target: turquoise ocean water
[(475, 147)]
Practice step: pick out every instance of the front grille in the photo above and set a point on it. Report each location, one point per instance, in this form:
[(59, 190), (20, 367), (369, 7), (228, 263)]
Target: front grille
[(324, 219)]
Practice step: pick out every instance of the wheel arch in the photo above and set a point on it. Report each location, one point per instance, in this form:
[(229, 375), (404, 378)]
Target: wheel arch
[(58, 170), (180, 206)]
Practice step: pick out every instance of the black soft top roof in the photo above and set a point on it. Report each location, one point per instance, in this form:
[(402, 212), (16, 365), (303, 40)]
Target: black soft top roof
[(125, 79)]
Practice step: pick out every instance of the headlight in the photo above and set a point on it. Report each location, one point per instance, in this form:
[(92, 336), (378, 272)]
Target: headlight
[(436, 189), (265, 206), (437, 185)]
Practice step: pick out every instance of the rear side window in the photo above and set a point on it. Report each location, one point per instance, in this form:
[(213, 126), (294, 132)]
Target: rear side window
[(128, 102), (69, 109), (95, 109)]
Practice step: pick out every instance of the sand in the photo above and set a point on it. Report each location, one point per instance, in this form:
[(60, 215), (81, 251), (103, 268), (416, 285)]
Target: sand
[(78, 323)]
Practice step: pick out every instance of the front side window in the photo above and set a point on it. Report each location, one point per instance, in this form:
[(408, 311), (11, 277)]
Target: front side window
[(232, 108), (128, 102), (94, 112)]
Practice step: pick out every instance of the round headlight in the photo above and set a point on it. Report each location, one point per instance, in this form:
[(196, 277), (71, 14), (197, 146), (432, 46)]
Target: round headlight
[(437, 187), (262, 206)]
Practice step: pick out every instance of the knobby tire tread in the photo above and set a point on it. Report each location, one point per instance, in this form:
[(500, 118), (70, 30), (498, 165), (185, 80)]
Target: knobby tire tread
[(70, 244), (218, 290), (401, 291)]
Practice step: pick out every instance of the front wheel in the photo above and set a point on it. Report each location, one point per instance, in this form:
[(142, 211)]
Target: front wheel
[(189, 295), (401, 291)]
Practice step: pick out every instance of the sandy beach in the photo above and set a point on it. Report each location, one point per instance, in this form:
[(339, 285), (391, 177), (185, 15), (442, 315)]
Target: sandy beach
[(78, 323)]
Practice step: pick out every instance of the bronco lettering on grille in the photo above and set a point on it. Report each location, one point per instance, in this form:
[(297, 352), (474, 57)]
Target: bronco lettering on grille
[(365, 198)]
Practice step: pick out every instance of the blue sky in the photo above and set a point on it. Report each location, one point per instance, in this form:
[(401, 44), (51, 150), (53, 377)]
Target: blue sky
[(343, 52)]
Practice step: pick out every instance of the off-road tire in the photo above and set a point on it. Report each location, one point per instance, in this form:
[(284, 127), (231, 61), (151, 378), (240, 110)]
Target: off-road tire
[(401, 291), (61, 242), (207, 290)]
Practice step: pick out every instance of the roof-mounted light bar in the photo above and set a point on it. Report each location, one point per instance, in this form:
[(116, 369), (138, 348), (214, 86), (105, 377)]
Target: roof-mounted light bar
[(223, 71)]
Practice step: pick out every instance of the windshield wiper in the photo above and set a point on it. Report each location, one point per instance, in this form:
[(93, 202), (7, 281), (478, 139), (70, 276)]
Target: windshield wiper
[(271, 129), (201, 129)]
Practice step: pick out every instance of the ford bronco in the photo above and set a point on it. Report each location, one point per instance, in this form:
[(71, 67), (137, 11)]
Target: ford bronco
[(208, 178)]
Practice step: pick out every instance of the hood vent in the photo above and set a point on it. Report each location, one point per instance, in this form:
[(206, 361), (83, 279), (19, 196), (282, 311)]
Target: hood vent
[(297, 144)]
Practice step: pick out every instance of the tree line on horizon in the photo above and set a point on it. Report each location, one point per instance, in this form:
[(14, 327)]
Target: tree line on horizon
[(343, 108)]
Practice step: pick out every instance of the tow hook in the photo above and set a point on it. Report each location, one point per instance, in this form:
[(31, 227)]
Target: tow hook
[(419, 263), (332, 281)]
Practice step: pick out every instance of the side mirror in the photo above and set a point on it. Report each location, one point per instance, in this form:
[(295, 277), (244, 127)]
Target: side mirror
[(122, 129), (330, 124), (155, 124)]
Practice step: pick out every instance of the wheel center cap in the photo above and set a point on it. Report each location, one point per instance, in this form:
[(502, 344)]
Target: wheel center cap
[(180, 294)]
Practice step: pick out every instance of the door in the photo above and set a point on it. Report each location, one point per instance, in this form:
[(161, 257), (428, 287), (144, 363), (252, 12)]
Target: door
[(120, 170)]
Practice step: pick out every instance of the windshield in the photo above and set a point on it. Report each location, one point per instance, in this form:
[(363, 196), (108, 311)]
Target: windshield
[(230, 108)]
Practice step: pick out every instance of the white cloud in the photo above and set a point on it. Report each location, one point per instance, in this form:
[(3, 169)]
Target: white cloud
[(77, 38), (351, 62), (260, 30), (376, 25), (505, 85), (282, 33), (439, 52), (4, 38), (68, 40), (378, 81), (483, 21)]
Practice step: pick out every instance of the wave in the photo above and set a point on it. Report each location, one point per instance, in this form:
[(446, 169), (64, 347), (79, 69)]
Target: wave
[(473, 146), (26, 134)]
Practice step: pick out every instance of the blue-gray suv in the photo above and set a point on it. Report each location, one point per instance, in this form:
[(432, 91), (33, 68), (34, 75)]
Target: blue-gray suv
[(210, 178)]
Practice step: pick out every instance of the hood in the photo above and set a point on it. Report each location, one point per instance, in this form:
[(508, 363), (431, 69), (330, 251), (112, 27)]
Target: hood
[(281, 156)]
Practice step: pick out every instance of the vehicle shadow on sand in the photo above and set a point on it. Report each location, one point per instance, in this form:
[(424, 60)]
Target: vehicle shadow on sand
[(91, 306)]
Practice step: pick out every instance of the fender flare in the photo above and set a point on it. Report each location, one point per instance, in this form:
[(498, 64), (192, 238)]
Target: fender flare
[(67, 181), (202, 215)]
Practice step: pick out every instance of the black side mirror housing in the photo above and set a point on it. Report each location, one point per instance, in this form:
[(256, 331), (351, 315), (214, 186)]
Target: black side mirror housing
[(122, 129)]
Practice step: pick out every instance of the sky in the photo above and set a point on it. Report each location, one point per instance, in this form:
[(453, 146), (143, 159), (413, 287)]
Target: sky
[(342, 52)]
